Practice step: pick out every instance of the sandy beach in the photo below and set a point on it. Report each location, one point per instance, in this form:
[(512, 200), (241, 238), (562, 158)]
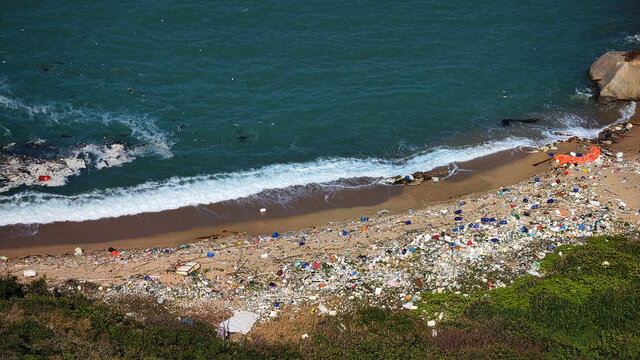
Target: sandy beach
[(476, 230)]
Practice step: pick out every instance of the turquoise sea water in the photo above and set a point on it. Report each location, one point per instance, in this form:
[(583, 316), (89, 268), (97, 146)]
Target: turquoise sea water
[(220, 100)]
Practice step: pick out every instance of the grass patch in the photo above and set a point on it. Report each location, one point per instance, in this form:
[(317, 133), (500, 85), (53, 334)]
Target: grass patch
[(585, 307), (42, 324)]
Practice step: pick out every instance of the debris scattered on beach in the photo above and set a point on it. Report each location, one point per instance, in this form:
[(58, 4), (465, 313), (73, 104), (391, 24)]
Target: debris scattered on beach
[(478, 242)]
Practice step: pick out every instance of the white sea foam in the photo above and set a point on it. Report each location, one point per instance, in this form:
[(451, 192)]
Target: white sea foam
[(14, 104), (633, 39), (144, 128), (583, 94), (626, 112), (106, 155)]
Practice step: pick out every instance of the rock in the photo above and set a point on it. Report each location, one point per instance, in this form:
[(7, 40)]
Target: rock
[(616, 78), (30, 273)]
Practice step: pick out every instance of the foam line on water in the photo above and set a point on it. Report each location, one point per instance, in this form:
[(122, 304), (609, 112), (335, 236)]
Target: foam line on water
[(142, 127)]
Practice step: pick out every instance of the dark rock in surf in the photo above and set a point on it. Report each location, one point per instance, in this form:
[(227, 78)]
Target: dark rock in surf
[(507, 122)]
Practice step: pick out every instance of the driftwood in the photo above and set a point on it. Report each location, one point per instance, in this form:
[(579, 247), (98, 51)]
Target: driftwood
[(543, 161)]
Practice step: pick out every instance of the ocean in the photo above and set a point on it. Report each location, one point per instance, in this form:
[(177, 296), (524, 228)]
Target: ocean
[(217, 101)]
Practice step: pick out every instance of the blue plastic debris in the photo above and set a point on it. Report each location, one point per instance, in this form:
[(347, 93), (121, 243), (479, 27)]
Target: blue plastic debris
[(275, 235)]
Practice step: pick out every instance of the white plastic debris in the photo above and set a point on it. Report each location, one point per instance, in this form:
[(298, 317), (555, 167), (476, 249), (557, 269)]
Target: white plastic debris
[(409, 306), (30, 273), (188, 268), (241, 322), (77, 251)]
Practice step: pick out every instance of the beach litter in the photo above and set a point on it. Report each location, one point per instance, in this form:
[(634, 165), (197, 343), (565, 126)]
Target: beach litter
[(188, 268), (241, 322), (29, 273)]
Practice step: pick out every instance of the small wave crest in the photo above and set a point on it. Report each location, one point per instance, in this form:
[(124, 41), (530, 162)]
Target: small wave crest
[(583, 94), (152, 139), (633, 39)]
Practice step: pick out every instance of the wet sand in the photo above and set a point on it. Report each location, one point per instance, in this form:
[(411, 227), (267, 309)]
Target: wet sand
[(184, 225)]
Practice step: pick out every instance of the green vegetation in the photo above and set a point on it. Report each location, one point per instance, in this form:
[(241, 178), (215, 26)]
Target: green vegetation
[(39, 324), (585, 307)]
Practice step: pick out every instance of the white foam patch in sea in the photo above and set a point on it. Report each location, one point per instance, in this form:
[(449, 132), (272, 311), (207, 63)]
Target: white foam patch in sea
[(583, 94), (633, 39), (574, 125), (143, 128)]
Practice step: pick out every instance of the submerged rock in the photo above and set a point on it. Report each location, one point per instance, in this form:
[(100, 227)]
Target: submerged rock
[(617, 76)]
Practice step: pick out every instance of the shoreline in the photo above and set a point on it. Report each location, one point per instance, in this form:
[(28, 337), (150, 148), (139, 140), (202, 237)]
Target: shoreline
[(185, 225), (478, 241)]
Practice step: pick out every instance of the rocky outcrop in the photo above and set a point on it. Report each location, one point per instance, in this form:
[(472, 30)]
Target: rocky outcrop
[(617, 76)]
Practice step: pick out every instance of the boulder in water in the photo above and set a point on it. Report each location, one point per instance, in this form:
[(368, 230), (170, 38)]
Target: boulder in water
[(617, 76)]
